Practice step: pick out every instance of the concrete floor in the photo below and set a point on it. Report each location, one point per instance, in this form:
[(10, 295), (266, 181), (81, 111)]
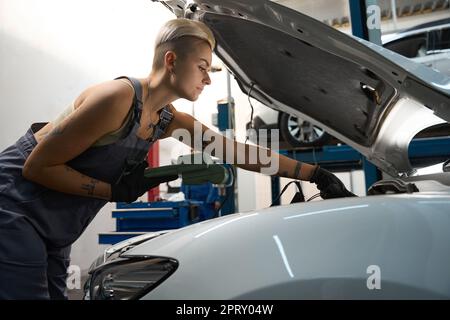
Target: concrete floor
[(77, 294)]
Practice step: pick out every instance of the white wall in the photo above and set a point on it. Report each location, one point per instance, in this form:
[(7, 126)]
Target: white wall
[(51, 50)]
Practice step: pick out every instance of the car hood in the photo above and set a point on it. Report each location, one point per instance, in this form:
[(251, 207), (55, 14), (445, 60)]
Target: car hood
[(368, 97), (238, 254)]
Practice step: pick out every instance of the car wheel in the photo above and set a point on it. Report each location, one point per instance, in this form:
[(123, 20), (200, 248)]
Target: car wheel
[(301, 133)]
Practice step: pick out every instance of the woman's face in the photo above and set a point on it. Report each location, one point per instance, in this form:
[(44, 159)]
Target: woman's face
[(191, 72)]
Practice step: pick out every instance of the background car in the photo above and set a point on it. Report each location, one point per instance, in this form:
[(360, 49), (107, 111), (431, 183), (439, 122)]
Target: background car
[(293, 130), (427, 43)]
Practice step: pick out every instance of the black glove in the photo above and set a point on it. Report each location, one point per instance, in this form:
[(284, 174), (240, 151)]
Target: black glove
[(329, 185), (132, 184)]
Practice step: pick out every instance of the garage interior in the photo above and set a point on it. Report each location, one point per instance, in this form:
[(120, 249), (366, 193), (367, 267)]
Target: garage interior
[(57, 48)]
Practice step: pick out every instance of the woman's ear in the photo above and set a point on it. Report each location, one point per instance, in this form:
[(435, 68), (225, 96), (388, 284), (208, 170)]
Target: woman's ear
[(169, 61)]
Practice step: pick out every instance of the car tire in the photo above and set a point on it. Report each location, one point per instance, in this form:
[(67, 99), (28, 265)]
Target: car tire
[(301, 133)]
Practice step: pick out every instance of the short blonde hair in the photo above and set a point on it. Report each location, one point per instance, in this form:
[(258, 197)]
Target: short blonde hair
[(177, 35)]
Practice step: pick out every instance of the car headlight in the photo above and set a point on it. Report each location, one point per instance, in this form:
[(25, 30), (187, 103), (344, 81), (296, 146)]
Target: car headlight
[(129, 278)]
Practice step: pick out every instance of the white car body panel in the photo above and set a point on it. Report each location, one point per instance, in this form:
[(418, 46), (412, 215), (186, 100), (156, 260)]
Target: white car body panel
[(313, 250)]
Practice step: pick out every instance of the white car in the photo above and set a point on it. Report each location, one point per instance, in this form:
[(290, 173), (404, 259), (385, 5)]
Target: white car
[(427, 43), (392, 244)]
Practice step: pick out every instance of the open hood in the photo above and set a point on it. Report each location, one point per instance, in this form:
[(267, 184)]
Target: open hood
[(368, 97)]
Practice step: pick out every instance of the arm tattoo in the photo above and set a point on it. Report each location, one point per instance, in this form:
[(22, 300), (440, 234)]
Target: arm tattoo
[(297, 170), (89, 187)]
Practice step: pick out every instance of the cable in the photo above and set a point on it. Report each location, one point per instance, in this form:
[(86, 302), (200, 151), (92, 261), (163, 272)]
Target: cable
[(282, 191), (251, 115), (313, 197), (228, 194)]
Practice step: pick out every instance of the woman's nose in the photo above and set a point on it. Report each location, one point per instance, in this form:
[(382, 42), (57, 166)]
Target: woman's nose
[(207, 79)]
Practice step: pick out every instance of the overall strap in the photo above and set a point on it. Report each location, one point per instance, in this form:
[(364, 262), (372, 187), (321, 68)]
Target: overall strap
[(164, 120), (137, 101), (165, 115)]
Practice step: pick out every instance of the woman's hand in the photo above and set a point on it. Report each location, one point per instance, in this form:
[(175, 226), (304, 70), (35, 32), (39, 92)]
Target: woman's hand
[(329, 185), (132, 184)]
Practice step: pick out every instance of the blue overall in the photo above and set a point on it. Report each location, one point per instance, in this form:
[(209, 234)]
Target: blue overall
[(38, 225)]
